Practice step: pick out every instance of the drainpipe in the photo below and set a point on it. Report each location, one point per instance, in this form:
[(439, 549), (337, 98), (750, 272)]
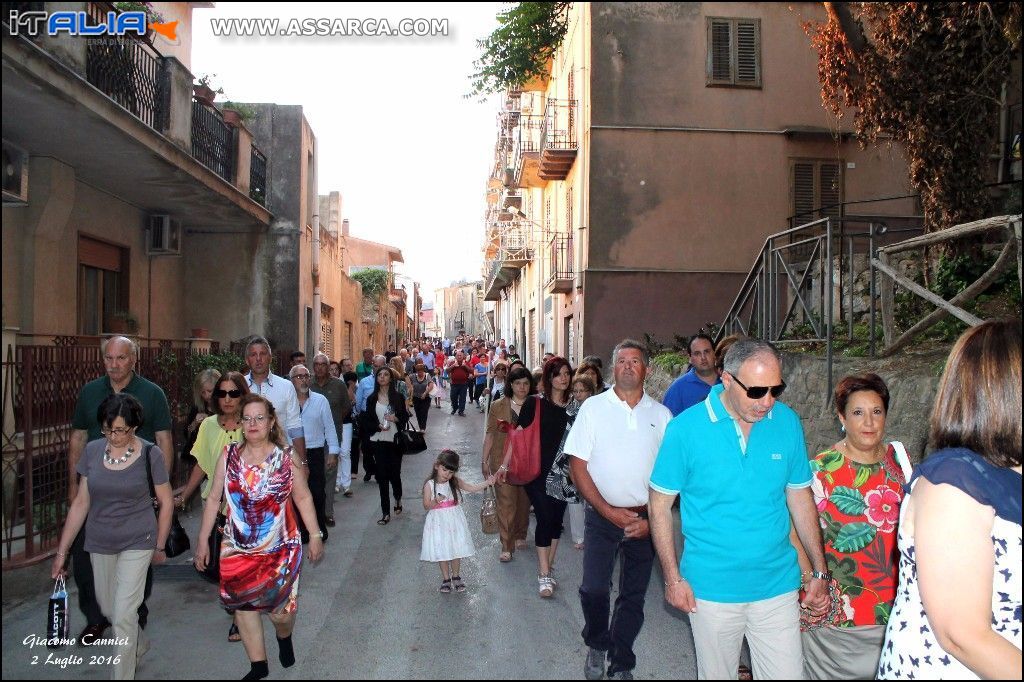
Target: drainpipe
[(316, 283)]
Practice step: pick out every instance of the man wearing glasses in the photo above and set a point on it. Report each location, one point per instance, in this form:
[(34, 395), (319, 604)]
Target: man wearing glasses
[(120, 355), (321, 442), (739, 465)]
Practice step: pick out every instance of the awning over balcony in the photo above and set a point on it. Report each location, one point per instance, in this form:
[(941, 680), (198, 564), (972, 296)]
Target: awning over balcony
[(48, 110)]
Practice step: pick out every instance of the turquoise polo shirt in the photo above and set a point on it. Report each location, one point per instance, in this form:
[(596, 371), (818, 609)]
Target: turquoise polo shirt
[(733, 499)]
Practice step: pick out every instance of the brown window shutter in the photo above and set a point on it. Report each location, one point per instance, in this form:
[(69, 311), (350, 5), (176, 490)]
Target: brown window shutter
[(719, 51), (830, 189), (97, 254), (803, 191), (748, 52)]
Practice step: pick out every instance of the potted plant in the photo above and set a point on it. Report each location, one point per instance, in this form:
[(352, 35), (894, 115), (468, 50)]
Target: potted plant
[(152, 16), (123, 322), (236, 113), (204, 91)]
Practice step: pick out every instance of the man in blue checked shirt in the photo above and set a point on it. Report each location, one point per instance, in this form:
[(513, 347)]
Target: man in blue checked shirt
[(321, 435)]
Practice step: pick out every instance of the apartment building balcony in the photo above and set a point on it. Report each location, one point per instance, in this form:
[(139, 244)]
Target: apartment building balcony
[(510, 198), (526, 154), (122, 115), (494, 191), (561, 275), (559, 144), (513, 251)]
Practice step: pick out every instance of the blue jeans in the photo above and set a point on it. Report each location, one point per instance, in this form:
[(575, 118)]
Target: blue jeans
[(603, 543), (458, 397)]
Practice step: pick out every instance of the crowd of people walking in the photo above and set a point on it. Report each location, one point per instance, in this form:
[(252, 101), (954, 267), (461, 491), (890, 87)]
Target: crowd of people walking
[(830, 566)]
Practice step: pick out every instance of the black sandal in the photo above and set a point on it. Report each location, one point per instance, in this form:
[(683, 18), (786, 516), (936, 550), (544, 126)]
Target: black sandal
[(385, 520), (233, 634), (398, 509)]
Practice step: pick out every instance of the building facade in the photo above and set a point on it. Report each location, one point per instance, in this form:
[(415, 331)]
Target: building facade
[(632, 188)]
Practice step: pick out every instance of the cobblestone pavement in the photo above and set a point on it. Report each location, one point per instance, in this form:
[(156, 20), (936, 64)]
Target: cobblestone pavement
[(371, 609)]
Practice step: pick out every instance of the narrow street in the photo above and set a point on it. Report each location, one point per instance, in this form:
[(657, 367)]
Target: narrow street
[(371, 610)]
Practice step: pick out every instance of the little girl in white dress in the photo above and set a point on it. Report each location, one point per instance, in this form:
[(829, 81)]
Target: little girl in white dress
[(446, 537)]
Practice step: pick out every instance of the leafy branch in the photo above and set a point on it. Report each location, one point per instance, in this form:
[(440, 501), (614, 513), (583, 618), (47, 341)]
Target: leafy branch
[(528, 34), (374, 282)]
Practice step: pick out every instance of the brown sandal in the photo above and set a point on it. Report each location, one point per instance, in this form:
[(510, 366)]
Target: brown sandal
[(505, 557)]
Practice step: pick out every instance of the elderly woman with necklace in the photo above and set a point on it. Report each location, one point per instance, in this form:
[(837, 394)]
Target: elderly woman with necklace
[(122, 534), (261, 556)]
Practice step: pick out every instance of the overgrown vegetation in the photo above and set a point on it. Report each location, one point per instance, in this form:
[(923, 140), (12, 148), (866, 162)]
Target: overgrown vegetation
[(528, 34), (374, 282), (928, 76)]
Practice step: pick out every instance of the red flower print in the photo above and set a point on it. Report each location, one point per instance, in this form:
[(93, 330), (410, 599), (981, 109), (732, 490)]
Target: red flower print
[(883, 508)]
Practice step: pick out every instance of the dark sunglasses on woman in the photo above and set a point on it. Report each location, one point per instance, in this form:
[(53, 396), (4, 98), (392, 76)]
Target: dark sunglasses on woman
[(221, 393)]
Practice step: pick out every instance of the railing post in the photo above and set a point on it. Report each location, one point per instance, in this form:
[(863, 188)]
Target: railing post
[(177, 117), (28, 409), (831, 304), (871, 289), (886, 298), (849, 297)]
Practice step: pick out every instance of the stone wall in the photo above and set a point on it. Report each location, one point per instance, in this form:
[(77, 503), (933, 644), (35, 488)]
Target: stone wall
[(912, 379)]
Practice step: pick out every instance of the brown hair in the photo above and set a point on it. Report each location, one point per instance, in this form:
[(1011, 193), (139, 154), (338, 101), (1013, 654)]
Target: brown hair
[(276, 435), (847, 386), (585, 381), (587, 366), (450, 459), (978, 405), (240, 383), (723, 347), (551, 369)]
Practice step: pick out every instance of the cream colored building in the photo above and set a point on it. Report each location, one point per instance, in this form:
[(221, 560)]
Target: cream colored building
[(667, 141)]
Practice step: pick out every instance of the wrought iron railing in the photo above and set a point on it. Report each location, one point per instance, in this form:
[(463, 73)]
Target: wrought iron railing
[(560, 258), (802, 284), (559, 131), (258, 176), (127, 70), (213, 140)]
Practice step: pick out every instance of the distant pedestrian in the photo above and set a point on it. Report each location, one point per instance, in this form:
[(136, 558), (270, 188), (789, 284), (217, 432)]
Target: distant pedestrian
[(298, 358), (446, 536), (337, 468), (460, 374), (481, 372), (350, 444), (694, 385), (363, 389), (202, 406), (321, 442), (612, 446), (422, 384), (365, 368)]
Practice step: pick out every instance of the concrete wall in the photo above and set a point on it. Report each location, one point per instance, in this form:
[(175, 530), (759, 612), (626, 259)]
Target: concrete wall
[(182, 13), (912, 380)]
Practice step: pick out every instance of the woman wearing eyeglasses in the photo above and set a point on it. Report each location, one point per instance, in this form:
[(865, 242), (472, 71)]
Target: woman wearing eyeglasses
[(217, 432), (262, 482), (123, 537)]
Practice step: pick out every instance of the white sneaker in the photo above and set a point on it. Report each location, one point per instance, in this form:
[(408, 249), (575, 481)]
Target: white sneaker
[(545, 586)]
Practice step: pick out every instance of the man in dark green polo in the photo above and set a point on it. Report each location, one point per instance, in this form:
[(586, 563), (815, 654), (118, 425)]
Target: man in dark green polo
[(120, 355)]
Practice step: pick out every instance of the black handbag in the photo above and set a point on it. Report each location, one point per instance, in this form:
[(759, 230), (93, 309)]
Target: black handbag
[(212, 570), (410, 441), (177, 540)]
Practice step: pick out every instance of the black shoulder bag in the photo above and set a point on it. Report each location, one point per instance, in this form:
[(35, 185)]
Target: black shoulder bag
[(177, 539)]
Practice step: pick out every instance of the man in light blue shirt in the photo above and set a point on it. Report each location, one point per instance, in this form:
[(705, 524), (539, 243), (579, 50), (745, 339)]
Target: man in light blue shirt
[(739, 465), (426, 356), (693, 386), (321, 441)]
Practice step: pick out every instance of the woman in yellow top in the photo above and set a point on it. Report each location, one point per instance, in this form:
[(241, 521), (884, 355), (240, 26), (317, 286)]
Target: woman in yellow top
[(216, 432)]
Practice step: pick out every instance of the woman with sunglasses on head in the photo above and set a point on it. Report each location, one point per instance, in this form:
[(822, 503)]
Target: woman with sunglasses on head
[(383, 416), (217, 432), (263, 483)]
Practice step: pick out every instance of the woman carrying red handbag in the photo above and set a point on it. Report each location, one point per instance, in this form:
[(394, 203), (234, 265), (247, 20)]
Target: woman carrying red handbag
[(549, 408)]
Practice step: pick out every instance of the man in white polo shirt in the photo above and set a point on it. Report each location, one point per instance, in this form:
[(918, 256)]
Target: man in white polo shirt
[(278, 390), (613, 444)]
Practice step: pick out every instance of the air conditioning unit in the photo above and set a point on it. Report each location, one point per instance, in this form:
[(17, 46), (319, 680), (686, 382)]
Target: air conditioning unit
[(15, 175), (163, 236)]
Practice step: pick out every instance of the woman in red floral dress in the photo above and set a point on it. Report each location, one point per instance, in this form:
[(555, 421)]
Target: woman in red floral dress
[(858, 488)]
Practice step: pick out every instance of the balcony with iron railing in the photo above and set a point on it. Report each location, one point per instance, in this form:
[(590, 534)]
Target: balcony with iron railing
[(526, 153), (52, 112), (560, 265), (558, 144), (511, 247), (511, 198)]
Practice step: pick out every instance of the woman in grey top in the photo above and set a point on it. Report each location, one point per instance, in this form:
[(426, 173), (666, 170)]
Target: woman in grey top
[(422, 385), (123, 536)]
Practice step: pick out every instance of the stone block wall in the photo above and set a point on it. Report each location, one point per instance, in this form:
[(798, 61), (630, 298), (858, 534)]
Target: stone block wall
[(912, 380)]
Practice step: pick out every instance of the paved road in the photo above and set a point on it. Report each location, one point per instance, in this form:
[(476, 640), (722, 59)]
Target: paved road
[(371, 609)]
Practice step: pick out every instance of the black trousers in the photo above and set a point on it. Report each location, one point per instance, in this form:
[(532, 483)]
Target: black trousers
[(317, 483), (422, 408), (360, 444), (548, 510), (389, 472), (81, 568), (604, 543)]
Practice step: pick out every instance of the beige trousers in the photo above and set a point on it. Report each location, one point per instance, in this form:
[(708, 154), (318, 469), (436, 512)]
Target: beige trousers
[(120, 581), (772, 629), (513, 514)]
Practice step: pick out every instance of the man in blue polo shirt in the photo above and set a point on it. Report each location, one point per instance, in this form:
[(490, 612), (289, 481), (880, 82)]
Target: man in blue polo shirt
[(694, 385), (739, 465)]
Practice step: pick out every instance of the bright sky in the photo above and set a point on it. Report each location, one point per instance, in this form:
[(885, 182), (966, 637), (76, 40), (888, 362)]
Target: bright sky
[(395, 134)]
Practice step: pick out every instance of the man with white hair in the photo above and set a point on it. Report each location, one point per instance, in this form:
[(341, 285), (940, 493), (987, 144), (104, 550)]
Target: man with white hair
[(338, 474), (739, 465), (120, 355), (321, 440)]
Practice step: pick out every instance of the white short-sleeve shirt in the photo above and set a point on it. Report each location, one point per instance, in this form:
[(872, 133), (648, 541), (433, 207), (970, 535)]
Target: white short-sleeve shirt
[(619, 445), (281, 393)]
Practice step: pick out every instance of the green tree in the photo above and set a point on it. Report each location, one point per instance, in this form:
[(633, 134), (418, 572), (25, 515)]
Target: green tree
[(928, 76), (518, 50)]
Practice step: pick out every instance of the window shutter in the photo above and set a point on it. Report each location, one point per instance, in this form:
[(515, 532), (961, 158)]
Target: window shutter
[(720, 51), (830, 184), (803, 192), (748, 38)]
